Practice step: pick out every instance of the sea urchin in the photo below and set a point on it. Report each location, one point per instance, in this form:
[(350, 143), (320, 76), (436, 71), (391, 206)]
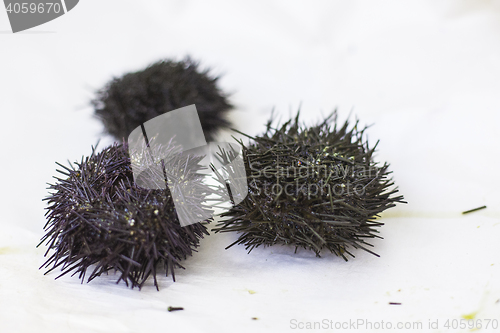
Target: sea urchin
[(314, 188), (99, 220), (129, 101)]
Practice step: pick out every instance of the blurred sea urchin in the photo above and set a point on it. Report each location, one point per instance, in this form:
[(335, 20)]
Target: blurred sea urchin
[(129, 101)]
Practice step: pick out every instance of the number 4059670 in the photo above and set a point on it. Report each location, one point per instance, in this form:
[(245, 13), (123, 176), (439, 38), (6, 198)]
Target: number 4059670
[(27, 7), (473, 324)]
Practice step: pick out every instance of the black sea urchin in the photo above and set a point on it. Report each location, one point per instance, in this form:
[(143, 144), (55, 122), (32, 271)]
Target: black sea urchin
[(127, 102), (99, 220), (311, 188)]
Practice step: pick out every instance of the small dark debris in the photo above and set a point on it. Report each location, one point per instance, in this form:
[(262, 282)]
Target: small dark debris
[(172, 308), (473, 210)]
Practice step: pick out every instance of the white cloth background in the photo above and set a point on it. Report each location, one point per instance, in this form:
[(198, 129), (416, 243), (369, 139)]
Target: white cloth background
[(425, 73)]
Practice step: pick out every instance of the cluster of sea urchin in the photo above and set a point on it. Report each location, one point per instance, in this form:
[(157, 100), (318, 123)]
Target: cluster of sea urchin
[(99, 219), (314, 188), (127, 102)]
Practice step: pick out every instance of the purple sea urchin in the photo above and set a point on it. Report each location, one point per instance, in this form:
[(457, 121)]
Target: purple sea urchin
[(129, 101), (99, 220), (314, 188)]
